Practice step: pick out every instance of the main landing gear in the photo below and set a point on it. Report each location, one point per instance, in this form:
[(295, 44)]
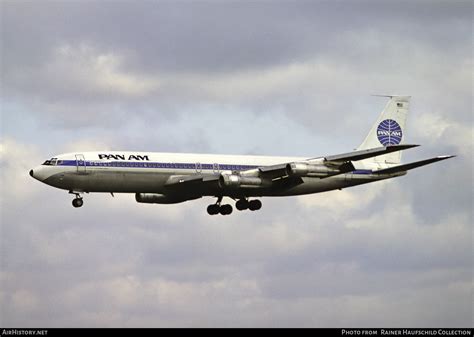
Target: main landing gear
[(77, 202), (217, 208), (253, 205), (241, 205)]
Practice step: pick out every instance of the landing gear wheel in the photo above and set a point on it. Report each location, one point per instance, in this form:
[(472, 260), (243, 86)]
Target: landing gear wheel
[(78, 202), (225, 209), (242, 204), (255, 205), (213, 209)]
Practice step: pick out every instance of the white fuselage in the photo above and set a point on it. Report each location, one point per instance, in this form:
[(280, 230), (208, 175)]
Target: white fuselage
[(147, 172)]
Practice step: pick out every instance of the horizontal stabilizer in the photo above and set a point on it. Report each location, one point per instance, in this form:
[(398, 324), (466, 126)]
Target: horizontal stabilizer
[(363, 154), (409, 166)]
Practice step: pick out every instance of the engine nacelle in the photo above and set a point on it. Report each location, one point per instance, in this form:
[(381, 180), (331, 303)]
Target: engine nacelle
[(234, 181), (309, 170), (155, 198)]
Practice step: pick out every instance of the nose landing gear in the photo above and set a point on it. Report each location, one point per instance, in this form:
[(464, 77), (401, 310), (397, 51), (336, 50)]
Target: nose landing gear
[(77, 202)]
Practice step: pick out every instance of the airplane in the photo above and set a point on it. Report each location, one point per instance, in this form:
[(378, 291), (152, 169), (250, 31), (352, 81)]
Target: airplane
[(169, 178)]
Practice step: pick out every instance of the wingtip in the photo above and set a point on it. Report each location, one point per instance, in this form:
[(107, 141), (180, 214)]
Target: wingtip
[(402, 146), (447, 156), (390, 96)]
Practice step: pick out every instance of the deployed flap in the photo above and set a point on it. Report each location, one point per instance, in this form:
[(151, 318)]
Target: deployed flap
[(274, 171), (363, 154), (409, 166), (174, 181), (192, 186)]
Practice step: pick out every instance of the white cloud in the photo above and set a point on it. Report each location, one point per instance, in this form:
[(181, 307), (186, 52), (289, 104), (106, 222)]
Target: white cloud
[(86, 144), (340, 202), (434, 127), (16, 160)]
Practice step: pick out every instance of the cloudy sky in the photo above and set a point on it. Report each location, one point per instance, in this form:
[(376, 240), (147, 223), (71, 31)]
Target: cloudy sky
[(239, 77)]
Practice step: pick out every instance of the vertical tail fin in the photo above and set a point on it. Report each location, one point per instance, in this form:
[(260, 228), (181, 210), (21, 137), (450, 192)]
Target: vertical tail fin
[(389, 129)]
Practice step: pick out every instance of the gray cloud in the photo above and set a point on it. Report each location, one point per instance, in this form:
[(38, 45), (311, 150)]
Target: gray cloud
[(210, 36), (240, 77)]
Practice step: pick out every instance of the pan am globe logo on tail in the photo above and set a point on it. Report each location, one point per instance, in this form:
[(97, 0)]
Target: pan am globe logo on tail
[(389, 132)]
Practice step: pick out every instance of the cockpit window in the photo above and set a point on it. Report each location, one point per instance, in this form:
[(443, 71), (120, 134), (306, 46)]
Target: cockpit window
[(51, 162)]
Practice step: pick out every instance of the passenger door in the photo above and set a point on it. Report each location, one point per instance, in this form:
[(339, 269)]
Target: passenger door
[(80, 163)]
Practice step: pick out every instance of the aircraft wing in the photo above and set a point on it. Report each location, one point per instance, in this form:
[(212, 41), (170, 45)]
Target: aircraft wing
[(288, 174), (364, 154), (410, 166), (323, 167)]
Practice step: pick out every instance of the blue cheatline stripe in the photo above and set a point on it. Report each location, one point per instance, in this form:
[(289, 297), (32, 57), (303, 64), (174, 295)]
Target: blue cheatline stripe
[(138, 164), (183, 166), (362, 172)]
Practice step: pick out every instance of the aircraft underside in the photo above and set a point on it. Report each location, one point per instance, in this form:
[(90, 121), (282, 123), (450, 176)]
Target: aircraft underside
[(152, 188)]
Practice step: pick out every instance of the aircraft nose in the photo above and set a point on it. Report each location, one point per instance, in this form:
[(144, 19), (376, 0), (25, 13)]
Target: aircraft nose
[(39, 173)]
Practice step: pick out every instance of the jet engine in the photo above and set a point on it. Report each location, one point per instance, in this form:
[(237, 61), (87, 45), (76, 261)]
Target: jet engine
[(234, 181), (309, 170), (155, 198)]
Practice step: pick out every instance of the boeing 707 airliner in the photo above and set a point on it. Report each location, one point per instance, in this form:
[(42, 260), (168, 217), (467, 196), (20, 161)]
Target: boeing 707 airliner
[(168, 178)]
